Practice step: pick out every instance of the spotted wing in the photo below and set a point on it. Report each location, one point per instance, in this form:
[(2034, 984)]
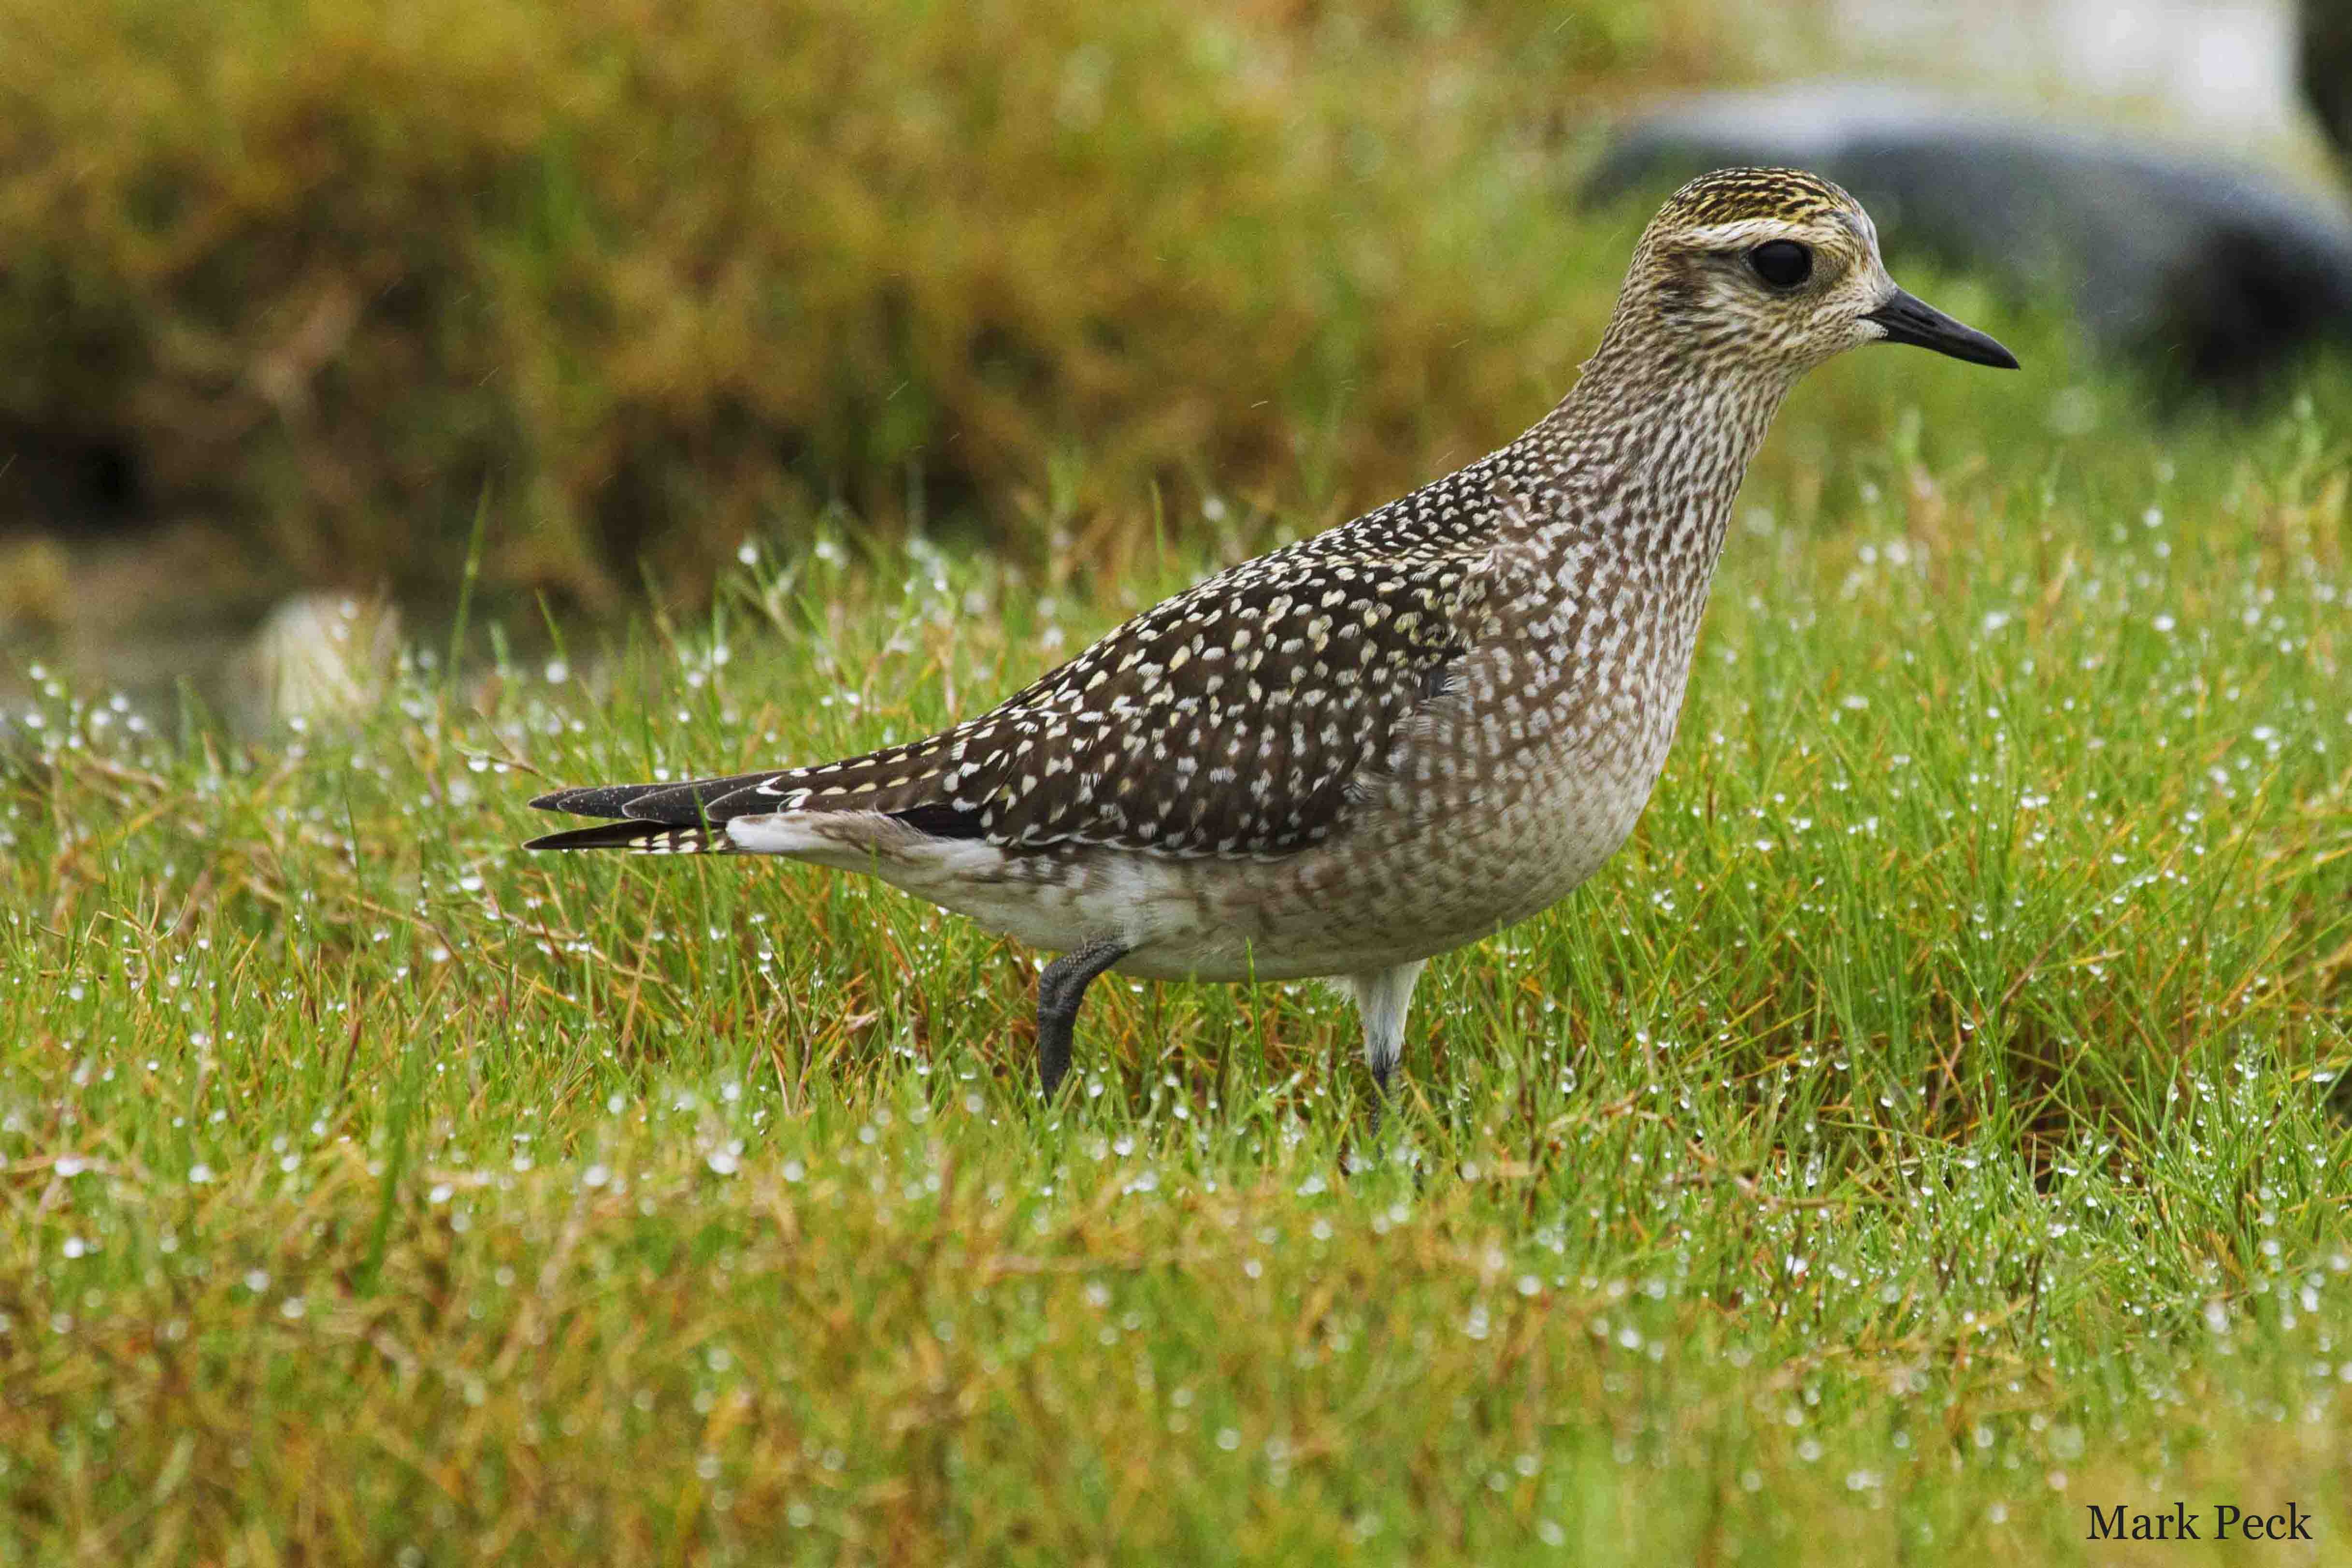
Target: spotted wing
[(1230, 720), (1233, 719)]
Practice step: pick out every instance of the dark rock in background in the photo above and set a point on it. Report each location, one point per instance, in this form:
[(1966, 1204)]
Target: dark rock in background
[(2220, 275), (2324, 67)]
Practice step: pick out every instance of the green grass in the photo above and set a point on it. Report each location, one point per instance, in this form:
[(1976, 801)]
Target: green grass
[(1919, 1134)]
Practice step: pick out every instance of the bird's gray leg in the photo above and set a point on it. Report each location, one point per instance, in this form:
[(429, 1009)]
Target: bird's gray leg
[(1382, 997), (1059, 990)]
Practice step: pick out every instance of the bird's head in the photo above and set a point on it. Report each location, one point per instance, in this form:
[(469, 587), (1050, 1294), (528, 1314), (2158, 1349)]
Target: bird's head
[(1774, 270)]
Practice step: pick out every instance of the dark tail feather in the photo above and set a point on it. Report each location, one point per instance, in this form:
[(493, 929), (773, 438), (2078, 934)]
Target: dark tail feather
[(642, 838), (687, 817), (675, 803), (600, 800), (657, 818)]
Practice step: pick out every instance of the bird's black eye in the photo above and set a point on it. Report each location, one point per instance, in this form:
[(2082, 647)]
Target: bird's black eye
[(1783, 263)]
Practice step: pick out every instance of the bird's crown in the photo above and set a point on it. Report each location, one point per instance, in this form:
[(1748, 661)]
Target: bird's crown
[(1742, 195)]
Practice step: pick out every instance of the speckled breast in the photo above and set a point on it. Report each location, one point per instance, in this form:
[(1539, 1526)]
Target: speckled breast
[(1419, 872)]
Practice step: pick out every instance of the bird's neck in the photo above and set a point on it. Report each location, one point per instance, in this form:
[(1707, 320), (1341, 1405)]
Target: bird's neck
[(1655, 446)]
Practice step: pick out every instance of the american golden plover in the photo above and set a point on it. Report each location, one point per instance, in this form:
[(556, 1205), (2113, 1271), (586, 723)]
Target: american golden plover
[(1396, 737)]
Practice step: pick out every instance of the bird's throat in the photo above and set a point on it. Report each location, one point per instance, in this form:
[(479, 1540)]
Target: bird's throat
[(1655, 449)]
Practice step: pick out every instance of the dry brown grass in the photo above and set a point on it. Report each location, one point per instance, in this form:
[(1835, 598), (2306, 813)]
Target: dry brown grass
[(656, 276)]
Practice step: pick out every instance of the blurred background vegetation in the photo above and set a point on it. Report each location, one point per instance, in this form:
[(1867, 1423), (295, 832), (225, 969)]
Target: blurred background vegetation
[(314, 278), (298, 292)]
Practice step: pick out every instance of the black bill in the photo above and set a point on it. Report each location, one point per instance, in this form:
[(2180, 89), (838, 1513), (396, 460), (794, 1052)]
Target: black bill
[(1911, 320)]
